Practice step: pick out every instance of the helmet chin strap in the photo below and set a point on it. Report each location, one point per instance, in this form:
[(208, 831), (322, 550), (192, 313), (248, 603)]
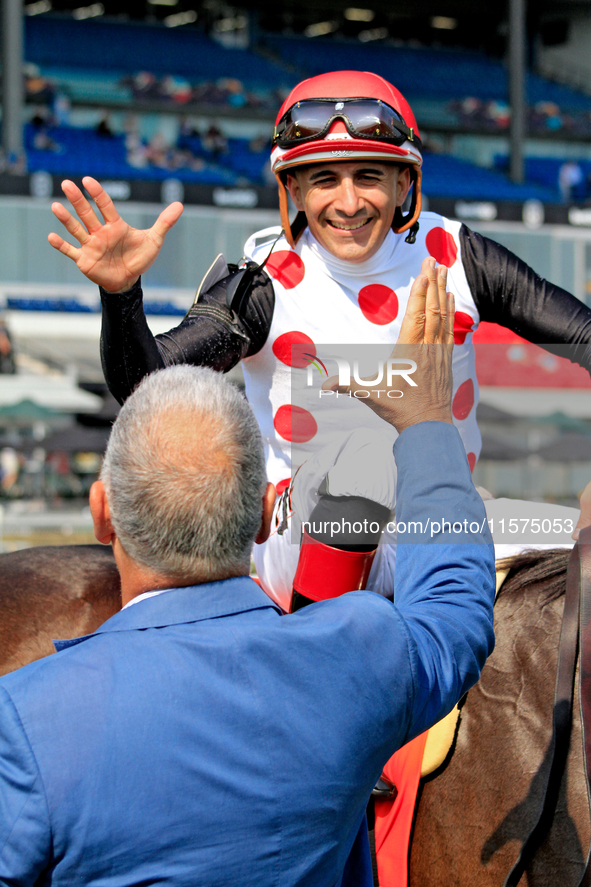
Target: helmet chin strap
[(292, 232), (410, 222)]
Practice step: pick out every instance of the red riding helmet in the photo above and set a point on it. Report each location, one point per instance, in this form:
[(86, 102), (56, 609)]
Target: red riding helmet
[(346, 115)]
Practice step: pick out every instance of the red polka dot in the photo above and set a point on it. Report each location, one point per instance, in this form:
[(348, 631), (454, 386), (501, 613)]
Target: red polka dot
[(295, 424), (281, 485), (294, 349), (471, 460), (463, 324), (463, 400), (441, 246), (286, 268), (378, 303)]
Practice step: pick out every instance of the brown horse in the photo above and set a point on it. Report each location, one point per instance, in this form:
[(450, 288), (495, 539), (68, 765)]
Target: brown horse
[(476, 811), (53, 592)]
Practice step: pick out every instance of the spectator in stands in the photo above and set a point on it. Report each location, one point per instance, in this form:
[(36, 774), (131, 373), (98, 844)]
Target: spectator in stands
[(61, 109), (144, 85), (104, 126), (157, 151), (183, 158), (470, 110), (497, 114), (207, 93), (550, 112), (175, 89), (10, 466), (188, 128), (235, 92), (215, 141), (7, 361), (570, 178), (137, 153), (42, 140), (37, 88)]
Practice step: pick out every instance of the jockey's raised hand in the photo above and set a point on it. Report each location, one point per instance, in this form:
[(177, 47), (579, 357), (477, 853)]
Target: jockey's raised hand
[(426, 338), (111, 253)]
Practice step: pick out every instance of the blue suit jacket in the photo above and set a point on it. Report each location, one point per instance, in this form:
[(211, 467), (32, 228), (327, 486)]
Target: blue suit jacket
[(201, 738)]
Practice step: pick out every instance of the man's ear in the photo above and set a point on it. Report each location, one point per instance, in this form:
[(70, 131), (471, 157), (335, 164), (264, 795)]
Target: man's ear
[(268, 505), (292, 184), (101, 515), (403, 184)]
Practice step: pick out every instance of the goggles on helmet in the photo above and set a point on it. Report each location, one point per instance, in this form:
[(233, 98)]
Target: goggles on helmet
[(364, 118)]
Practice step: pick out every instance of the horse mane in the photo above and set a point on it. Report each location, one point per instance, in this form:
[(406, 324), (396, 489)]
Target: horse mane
[(546, 569)]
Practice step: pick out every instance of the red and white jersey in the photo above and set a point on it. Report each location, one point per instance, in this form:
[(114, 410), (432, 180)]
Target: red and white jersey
[(323, 302)]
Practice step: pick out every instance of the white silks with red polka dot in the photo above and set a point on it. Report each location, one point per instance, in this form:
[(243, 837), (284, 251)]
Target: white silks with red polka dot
[(321, 300)]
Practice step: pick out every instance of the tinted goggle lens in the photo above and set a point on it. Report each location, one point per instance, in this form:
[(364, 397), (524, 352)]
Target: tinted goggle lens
[(367, 119), (302, 122)]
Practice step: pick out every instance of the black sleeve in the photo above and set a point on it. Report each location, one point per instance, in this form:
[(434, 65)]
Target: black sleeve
[(508, 292), (211, 333)]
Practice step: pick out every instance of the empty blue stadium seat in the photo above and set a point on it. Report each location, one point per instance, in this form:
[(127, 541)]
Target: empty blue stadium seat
[(421, 71), (446, 176), (130, 47)]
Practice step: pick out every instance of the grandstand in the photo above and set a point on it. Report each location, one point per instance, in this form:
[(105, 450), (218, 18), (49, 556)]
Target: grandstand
[(433, 73), (134, 104), (82, 151), (143, 106), (164, 89), (129, 66), (127, 47)]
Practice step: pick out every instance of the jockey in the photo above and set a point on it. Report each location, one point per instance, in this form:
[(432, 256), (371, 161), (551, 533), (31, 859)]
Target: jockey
[(347, 150)]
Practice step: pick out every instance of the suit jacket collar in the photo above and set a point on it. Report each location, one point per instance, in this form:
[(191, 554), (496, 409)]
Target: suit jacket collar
[(194, 603)]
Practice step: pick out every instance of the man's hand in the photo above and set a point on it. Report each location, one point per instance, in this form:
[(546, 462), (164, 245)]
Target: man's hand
[(112, 254), (426, 337)]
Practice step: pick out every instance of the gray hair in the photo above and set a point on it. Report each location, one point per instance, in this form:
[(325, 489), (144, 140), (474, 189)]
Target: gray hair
[(184, 474)]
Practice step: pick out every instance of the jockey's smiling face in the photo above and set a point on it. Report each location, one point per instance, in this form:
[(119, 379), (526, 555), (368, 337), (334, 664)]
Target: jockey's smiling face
[(349, 206)]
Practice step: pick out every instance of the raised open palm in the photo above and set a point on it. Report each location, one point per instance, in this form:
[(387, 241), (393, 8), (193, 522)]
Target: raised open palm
[(111, 253)]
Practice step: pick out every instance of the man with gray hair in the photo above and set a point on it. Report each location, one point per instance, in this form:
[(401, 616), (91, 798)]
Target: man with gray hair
[(199, 737), (185, 464)]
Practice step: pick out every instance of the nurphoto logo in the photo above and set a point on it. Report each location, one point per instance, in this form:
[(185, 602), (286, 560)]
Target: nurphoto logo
[(386, 371)]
